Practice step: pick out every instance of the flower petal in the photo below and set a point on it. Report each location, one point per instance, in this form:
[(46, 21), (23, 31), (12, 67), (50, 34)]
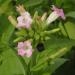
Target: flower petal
[(29, 53), (20, 45), (21, 52)]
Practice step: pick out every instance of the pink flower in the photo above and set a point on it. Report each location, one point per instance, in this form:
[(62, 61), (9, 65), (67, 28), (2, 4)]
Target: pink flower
[(25, 48), (60, 12), (24, 21), (20, 45), (55, 14), (28, 53), (21, 52)]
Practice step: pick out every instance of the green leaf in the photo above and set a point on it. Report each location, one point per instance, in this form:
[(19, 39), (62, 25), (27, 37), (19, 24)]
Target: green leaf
[(30, 3), (58, 43), (71, 14), (11, 64), (53, 50), (42, 62), (46, 74), (62, 29), (7, 29), (59, 2), (4, 6), (55, 64), (7, 33), (70, 28), (52, 66), (18, 39), (21, 32), (38, 67)]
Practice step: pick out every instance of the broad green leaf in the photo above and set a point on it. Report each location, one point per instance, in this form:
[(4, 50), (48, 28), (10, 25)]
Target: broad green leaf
[(59, 2), (7, 34), (53, 65), (42, 62), (7, 29), (38, 67), (11, 63), (53, 46), (4, 6), (70, 28), (56, 64), (46, 74), (58, 43), (62, 29), (54, 50), (71, 14), (30, 3)]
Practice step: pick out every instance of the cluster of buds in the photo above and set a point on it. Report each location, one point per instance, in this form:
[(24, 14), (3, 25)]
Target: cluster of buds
[(25, 21)]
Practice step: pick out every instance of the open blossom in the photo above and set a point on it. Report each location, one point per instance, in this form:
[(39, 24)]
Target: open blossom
[(24, 21), (55, 14), (25, 48)]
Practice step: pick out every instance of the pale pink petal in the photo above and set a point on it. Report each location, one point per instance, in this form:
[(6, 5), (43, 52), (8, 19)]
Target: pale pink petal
[(27, 43), (27, 26), (29, 53), (60, 12), (25, 48), (54, 8), (24, 21), (21, 52), (20, 45), (19, 19)]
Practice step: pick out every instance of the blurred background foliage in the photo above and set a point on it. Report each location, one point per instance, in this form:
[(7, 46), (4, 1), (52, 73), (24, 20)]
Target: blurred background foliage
[(7, 54)]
